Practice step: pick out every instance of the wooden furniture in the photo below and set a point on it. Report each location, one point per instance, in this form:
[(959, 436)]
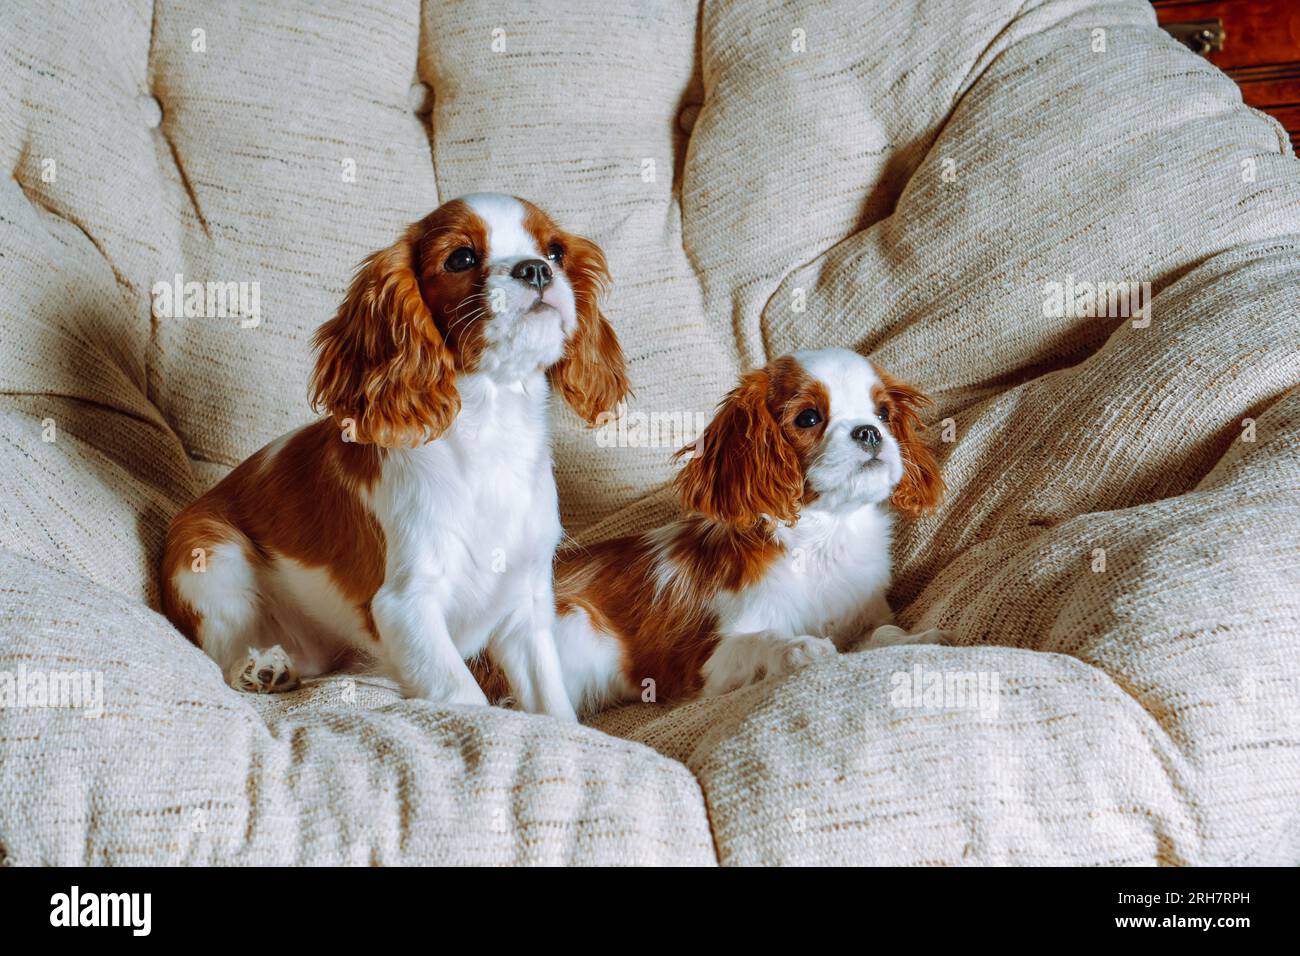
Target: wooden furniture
[(1256, 42)]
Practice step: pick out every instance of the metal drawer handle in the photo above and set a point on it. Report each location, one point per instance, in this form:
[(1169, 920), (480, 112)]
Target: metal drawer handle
[(1199, 36)]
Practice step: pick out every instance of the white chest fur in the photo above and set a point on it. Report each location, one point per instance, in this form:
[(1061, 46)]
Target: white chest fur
[(831, 581), (467, 513)]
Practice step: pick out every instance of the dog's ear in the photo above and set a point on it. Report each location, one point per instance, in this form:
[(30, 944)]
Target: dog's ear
[(742, 468), (921, 487), (591, 376), (381, 361)]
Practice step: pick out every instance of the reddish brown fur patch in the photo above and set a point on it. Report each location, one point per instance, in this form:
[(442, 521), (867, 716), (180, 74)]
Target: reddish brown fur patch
[(491, 678), (666, 635), (198, 526), (455, 298), (382, 361), (591, 377), (921, 488), (717, 557), (743, 468), (751, 459), (303, 503), (793, 391)]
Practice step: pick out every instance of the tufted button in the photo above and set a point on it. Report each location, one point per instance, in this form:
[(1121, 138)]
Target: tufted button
[(150, 109), (420, 97), (687, 117)]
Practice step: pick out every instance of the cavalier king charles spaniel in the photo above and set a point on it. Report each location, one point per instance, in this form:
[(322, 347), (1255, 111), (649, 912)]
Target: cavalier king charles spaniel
[(782, 553), (417, 523)]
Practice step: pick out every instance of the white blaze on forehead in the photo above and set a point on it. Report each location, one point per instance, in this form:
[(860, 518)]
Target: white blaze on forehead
[(848, 377), (504, 217)]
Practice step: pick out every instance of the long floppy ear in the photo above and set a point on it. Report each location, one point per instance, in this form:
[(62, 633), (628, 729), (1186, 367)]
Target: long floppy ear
[(742, 468), (381, 361), (591, 377), (921, 487)]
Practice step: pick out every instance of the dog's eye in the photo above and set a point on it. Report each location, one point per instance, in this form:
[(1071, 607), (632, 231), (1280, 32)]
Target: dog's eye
[(462, 259), (883, 415), (555, 252), (808, 418)]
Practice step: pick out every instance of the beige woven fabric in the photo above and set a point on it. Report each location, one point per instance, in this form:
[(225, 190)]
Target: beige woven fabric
[(177, 768), (1117, 555)]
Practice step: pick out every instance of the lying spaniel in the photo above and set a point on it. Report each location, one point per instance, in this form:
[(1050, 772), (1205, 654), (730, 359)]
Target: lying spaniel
[(417, 523), (782, 555)]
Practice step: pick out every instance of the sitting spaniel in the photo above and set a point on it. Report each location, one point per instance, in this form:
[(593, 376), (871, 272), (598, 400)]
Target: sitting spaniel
[(781, 555), (417, 523)]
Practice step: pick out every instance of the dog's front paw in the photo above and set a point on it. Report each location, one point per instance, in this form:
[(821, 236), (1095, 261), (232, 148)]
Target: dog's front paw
[(467, 692), (268, 671), (804, 650)]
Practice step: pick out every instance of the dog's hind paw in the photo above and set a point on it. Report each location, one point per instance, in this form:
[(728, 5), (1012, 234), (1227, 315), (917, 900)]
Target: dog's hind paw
[(268, 671)]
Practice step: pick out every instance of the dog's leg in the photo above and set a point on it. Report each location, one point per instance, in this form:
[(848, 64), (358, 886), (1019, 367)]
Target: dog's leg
[(417, 646), (524, 648), (229, 615), (741, 659)]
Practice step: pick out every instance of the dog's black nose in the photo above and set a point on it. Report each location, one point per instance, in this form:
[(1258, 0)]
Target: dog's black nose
[(534, 272), (868, 435)]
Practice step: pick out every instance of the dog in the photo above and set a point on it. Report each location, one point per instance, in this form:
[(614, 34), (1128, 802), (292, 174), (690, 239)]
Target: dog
[(416, 524), (781, 556)]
